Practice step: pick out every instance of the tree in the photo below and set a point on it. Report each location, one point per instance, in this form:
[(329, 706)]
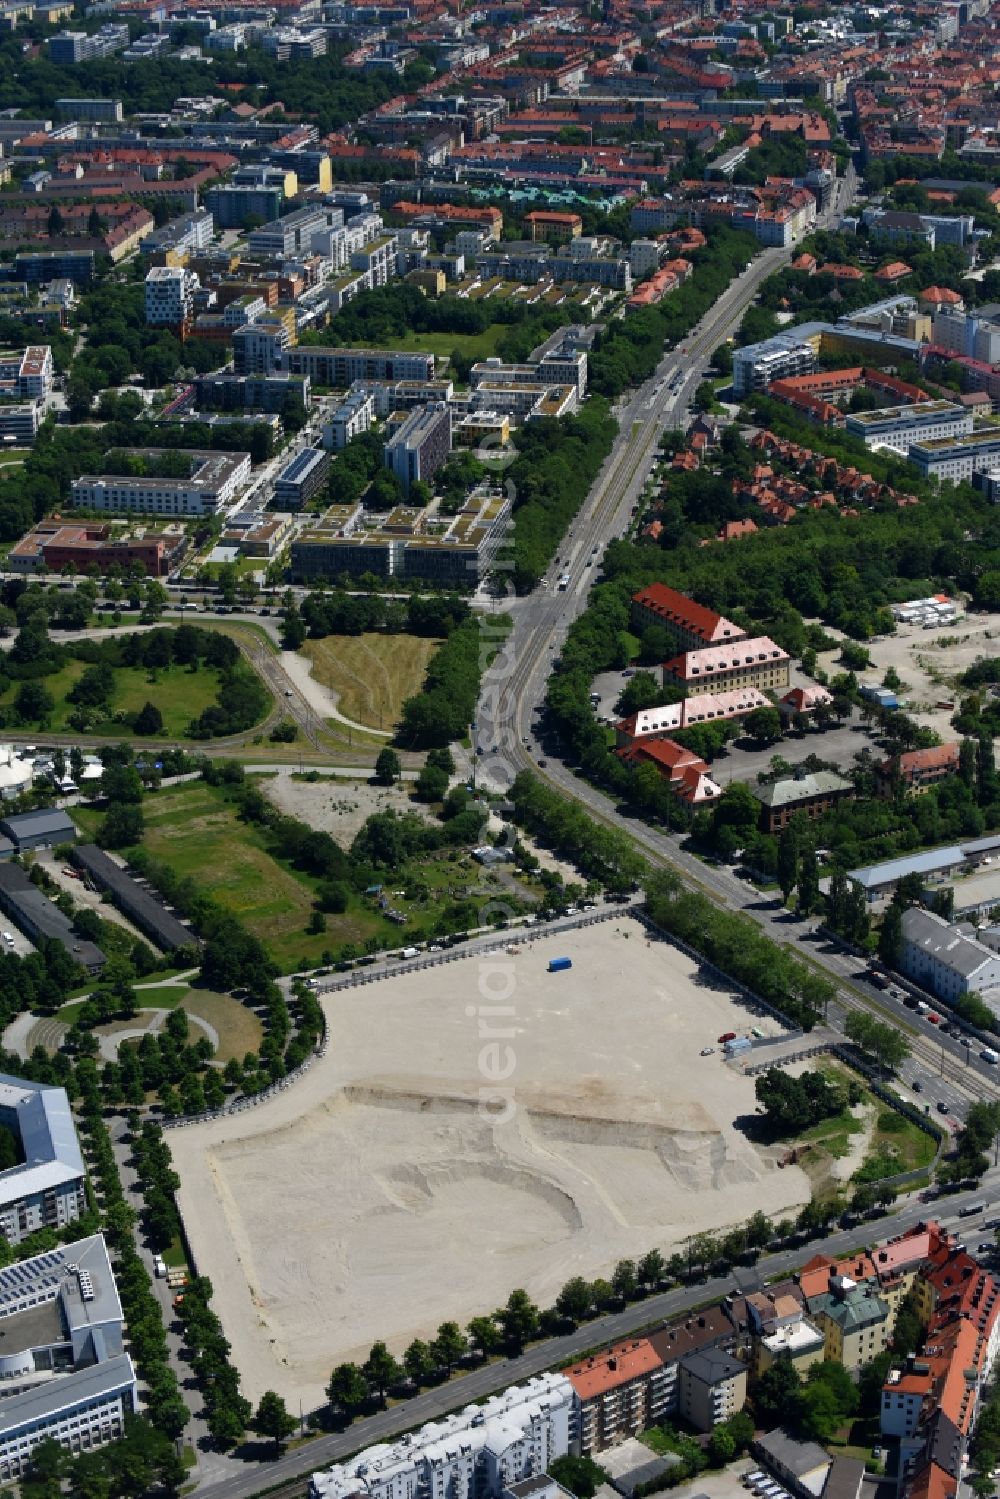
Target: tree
[(56, 224), (33, 703), (721, 1447), (148, 720), (764, 725), (808, 883), (418, 1361), (381, 1370), (652, 1268), (890, 937), (518, 1319), (387, 767), (581, 1475), (485, 1335), (788, 861), (347, 1389), (122, 826), (431, 784), (272, 1419), (777, 1394), (574, 1300), (449, 1345)]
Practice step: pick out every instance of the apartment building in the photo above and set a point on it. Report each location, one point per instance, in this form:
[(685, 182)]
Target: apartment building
[(743, 663), (66, 1374), (854, 1321), (271, 393), (169, 297), (47, 1189), (293, 234), (897, 427), (214, 480), (948, 962), (71, 47), (474, 1454), (376, 261), (917, 770), (618, 1393), (756, 365), (301, 478), (957, 458), (420, 446), (690, 625), (712, 1387), (259, 348), (781, 1330), (234, 206), (341, 367), (27, 373), (555, 367), (351, 418), (189, 231)]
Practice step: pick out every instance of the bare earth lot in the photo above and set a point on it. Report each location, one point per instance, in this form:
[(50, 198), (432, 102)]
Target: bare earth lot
[(929, 668), (378, 1196), (334, 804)]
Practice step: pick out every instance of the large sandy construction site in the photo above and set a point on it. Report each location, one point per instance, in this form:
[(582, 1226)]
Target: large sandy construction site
[(472, 1128)]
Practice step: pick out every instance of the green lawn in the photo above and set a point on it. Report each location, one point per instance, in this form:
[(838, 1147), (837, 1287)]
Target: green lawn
[(179, 694), (472, 345), (897, 1144), (193, 829)]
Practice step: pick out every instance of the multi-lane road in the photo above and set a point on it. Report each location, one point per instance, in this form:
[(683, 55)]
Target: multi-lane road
[(941, 1070)]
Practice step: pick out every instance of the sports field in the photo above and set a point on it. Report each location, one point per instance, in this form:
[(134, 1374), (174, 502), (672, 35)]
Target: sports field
[(371, 675), (473, 1128)]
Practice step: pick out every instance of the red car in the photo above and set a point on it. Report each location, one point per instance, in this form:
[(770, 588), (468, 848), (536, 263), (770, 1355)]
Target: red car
[(727, 1036), (933, 1019)]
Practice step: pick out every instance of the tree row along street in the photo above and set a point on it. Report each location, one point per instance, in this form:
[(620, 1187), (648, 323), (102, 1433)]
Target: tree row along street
[(431, 1404)]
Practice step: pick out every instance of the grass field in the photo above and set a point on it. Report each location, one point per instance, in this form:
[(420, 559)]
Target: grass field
[(371, 674), (179, 694), (472, 345), (193, 829)]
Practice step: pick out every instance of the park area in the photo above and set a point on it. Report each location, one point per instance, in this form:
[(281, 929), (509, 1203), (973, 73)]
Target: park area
[(474, 1127), (371, 675), (180, 694)]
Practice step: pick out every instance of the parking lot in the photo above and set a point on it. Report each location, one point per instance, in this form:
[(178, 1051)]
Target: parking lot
[(721, 1483)]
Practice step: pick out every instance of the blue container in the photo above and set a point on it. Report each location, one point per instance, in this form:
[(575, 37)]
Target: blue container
[(556, 965)]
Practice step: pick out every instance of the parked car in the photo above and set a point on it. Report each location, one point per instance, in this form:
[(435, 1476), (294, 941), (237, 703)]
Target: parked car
[(727, 1036)]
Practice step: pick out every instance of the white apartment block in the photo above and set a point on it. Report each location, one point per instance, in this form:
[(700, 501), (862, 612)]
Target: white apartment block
[(215, 479), (27, 372), (352, 417), (897, 427), (474, 1454), (957, 458), (47, 1190), (755, 366), (170, 291), (376, 261)]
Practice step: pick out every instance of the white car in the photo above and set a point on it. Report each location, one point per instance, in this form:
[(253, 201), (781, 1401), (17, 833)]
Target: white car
[(8, 937)]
